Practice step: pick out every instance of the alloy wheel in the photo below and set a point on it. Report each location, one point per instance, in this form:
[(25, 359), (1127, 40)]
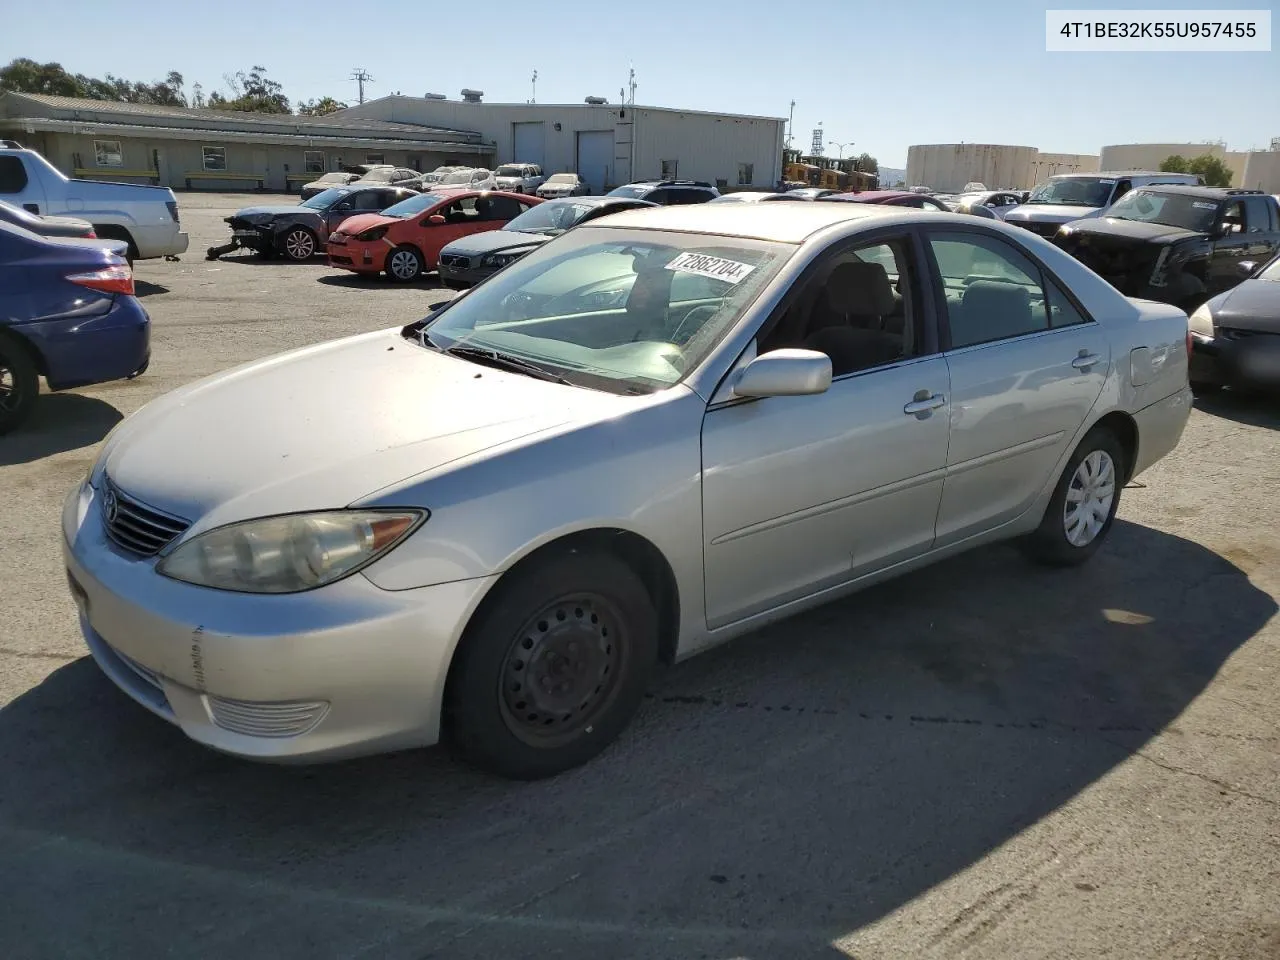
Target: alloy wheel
[(300, 245), (1089, 498), (9, 393)]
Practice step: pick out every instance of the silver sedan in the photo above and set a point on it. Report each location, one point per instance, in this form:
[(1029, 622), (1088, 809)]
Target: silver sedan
[(651, 434)]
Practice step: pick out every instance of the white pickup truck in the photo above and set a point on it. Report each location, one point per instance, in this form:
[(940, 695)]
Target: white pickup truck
[(144, 217)]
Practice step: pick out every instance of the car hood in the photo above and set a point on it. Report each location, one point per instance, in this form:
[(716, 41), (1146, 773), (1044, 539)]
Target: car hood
[(1132, 230), (265, 213), (492, 240), (1252, 305), (1050, 212), (363, 221), (326, 426)]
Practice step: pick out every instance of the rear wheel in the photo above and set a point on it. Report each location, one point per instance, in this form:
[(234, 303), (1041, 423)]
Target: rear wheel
[(112, 232), (19, 383), (553, 667), (1084, 503), (404, 264), (298, 243)]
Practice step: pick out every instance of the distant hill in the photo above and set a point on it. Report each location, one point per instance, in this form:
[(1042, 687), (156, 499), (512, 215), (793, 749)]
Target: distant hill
[(889, 176)]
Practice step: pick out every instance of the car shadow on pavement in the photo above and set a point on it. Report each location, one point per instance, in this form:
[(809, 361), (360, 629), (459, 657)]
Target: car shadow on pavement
[(1251, 409), (773, 795), (145, 288), (59, 422), (346, 278)]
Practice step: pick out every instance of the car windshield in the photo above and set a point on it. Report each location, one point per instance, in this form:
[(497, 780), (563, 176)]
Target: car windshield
[(635, 193), (378, 176), (332, 178), (1271, 271), (413, 205), (552, 218), (1074, 192), (458, 176), (567, 178), (325, 199), (626, 311), (1170, 209), (509, 171)]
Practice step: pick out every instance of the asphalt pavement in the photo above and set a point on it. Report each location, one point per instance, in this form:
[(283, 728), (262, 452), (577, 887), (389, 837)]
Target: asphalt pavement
[(982, 759)]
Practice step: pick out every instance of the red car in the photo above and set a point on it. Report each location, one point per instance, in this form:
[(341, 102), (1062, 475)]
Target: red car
[(405, 240), (892, 198)]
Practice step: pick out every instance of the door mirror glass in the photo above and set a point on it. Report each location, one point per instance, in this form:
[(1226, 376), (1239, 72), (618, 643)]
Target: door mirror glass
[(435, 218), (787, 372), (1245, 268)]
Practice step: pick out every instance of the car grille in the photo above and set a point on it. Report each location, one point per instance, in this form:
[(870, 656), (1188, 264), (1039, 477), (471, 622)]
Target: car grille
[(455, 262), (335, 258), (258, 719), (135, 527)]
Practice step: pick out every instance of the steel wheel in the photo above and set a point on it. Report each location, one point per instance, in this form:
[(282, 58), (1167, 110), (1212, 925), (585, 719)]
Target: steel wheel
[(562, 670), (300, 244), (1089, 497), (404, 264)]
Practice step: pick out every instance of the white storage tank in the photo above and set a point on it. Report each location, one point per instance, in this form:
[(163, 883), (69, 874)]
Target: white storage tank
[(947, 167)]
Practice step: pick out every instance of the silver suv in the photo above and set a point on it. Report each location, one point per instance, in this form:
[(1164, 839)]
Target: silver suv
[(1077, 196), (519, 177)]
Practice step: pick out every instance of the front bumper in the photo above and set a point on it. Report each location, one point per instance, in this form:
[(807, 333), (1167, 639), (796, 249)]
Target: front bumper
[(1236, 358), (344, 670), (469, 276), (357, 256), (80, 350)]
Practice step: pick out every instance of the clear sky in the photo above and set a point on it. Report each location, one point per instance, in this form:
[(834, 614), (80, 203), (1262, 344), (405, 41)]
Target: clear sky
[(882, 74)]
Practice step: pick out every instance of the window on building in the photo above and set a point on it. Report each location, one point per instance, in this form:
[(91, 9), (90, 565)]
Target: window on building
[(215, 158), (746, 174), (107, 153), (313, 161), (669, 169), (375, 158)]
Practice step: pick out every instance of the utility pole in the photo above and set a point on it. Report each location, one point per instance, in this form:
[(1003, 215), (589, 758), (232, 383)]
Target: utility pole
[(361, 76), (632, 84), (791, 119), (534, 83)]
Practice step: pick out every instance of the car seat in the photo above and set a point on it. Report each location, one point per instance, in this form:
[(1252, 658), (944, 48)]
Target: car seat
[(990, 310), (846, 321)]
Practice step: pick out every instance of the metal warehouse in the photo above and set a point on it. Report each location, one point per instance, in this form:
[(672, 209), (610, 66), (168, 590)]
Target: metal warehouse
[(607, 144), (220, 149)]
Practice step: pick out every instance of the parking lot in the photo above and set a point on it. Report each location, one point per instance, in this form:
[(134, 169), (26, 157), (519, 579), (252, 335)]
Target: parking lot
[(982, 759)]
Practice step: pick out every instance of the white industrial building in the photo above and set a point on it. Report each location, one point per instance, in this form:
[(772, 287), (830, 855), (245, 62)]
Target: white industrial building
[(607, 144), (947, 167)]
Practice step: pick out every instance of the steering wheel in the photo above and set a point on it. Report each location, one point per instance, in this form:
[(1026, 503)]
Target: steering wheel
[(702, 314)]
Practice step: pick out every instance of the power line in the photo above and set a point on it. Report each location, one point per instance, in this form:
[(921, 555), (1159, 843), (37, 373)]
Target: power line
[(361, 76)]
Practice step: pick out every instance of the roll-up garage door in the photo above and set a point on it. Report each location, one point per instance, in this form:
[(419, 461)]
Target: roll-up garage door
[(528, 143), (595, 158)]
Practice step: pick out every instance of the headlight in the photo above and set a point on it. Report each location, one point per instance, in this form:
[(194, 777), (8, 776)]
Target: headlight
[(291, 553), (1201, 322), (377, 233), (497, 259)]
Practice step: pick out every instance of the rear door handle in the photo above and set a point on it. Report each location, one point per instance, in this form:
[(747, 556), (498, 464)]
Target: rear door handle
[(1085, 361), (924, 404)]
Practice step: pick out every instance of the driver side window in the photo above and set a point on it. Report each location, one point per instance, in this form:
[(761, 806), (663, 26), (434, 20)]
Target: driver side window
[(857, 307)]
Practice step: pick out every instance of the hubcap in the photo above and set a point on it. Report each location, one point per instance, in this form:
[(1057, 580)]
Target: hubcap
[(404, 264), (562, 670), (8, 388), (1089, 498), (300, 245)]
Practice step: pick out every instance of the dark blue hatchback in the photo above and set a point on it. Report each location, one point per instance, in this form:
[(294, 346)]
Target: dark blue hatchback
[(68, 314)]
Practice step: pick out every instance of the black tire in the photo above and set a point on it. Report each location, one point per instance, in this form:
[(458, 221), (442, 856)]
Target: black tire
[(19, 382), (1050, 544), (404, 264), (553, 666), (1201, 389), (297, 244)]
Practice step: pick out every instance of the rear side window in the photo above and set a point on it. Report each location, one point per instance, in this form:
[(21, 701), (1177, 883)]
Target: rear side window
[(993, 292), (1258, 215), (13, 175)]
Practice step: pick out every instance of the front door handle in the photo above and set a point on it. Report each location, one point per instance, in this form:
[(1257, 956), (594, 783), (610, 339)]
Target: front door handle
[(1085, 360), (924, 403)]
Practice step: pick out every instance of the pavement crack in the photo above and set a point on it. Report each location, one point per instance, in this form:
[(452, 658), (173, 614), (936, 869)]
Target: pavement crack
[(38, 655), (1222, 785)]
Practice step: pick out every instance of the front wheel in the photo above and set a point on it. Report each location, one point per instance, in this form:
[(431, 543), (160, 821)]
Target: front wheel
[(1084, 503), (19, 383), (298, 244), (554, 666), (404, 264)]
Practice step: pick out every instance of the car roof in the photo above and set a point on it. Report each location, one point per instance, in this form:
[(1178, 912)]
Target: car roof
[(1191, 190), (780, 222), (873, 196), (597, 201)]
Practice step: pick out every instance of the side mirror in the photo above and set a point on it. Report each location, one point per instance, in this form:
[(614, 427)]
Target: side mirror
[(785, 373), (435, 218), (1245, 268), (1223, 229)]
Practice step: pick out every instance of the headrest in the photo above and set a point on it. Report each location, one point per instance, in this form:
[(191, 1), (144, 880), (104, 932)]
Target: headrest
[(993, 293), (860, 288)]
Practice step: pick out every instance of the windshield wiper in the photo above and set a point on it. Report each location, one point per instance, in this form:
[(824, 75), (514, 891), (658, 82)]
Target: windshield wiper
[(504, 361)]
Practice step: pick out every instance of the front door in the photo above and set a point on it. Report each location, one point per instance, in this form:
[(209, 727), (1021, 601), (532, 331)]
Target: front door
[(1026, 366), (804, 493), (1230, 248)]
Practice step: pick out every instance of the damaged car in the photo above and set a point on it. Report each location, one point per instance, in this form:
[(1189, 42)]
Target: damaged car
[(298, 232), (1176, 244), (1235, 336)]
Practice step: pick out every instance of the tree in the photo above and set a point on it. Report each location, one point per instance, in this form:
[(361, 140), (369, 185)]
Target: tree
[(318, 108), (1212, 170), (866, 163), (24, 75), (252, 92)]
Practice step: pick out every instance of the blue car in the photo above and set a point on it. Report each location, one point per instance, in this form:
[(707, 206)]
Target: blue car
[(67, 313)]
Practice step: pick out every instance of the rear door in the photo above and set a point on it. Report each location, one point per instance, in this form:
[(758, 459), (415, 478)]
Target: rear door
[(1026, 366), (1261, 231)]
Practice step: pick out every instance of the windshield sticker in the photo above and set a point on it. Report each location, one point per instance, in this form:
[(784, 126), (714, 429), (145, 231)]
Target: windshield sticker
[(1201, 205), (717, 268)]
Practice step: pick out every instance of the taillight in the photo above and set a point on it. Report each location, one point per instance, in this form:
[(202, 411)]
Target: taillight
[(116, 279), (91, 235), (173, 210), (1189, 341)]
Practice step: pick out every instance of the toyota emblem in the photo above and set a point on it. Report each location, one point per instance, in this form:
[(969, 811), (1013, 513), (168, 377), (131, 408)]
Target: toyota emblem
[(110, 505)]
